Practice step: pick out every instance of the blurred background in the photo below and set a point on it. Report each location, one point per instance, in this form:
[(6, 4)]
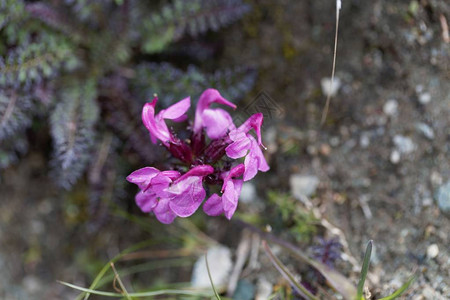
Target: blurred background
[(74, 75)]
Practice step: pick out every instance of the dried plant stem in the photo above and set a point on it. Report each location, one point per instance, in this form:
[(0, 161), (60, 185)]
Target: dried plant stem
[(327, 104), (122, 289)]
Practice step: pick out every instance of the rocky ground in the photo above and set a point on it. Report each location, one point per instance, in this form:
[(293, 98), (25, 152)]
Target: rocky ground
[(379, 168), (382, 159)]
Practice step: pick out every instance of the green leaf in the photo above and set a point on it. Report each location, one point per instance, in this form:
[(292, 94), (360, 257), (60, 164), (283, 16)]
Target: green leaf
[(364, 270), (401, 290), (107, 266)]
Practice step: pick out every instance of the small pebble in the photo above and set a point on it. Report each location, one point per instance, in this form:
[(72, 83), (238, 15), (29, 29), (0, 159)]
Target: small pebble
[(404, 144), (426, 130), (432, 251), (303, 185), (248, 193), (364, 141), (220, 264), (390, 108), (264, 289), (425, 98), (443, 198), (334, 141), (395, 157), (325, 149)]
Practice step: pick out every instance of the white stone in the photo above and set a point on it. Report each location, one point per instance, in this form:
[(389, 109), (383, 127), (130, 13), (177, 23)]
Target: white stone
[(263, 289), (390, 108), (404, 144), (303, 185), (427, 201), (364, 141), (425, 98), (426, 130), (327, 88), (248, 193), (220, 264), (395, 157), (432, 251)]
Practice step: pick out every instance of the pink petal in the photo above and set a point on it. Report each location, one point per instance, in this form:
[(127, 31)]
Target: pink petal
[(236, 171), (255, 121), (207, 98), (254, 161), (188, 194), (158, 184), (171, 174), (201, 171), (213, 206), (146, 201), (163, 212), (142, 177), (237, 135), (251, 167), (231, 196), (217, 122), (238, 148), (259, 156), (176, 111), (155, 125)]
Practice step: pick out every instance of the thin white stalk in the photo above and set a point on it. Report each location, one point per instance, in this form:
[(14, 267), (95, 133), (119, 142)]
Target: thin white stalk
[(327, 104)]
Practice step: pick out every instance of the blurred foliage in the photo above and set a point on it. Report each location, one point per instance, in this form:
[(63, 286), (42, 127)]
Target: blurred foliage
[(299, 222), (89, 65)]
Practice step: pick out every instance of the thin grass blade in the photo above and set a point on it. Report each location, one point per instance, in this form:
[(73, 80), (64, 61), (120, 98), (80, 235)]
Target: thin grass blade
[(210, 278), (334, 278), (122, 286), (108, 265), (401, 290), (288, 275), (139, 294), (364, 270)]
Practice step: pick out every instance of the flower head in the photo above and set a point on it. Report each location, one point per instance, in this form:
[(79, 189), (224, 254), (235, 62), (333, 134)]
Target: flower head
[(187, 192), (215, 121), (179, 193), (231, 190), (244, 144), (156, 124), (153, 196)]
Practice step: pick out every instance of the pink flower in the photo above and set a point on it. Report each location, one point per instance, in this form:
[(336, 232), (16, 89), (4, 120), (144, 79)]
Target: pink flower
[(153, 196), (169, 194), (156, 124), (231, 190), (216, 121), (244, 144), (158, 129), (187, 192)]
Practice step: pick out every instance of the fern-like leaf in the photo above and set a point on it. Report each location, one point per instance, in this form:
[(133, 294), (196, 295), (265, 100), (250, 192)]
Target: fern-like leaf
[(233, 83), (11, 11), (11, 149), (172, 84), (188, 16), (72, 129), (15, 113), (169, 82), (35, 61)]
